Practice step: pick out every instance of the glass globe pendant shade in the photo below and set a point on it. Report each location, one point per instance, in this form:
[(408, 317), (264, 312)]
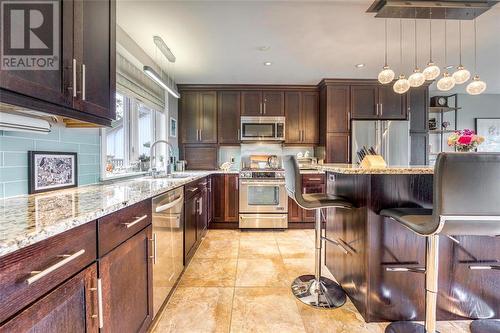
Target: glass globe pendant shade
[(461, 75), (402, 85), (447, 82), (386, 75), (431, 72), (416, 79), (476, 87)]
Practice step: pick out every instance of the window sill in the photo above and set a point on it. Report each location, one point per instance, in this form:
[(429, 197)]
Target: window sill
[(124, 175)]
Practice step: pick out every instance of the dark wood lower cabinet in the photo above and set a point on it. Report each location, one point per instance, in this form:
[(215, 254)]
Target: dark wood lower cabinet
[(311, 183), (226, 198), (71, 307), (126, 275)]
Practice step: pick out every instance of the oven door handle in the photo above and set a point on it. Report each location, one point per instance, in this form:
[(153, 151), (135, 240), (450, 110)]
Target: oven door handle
[(262, 183)]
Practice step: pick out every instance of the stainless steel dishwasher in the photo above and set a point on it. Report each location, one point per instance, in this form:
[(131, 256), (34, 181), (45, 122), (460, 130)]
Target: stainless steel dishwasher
[(168, 241)]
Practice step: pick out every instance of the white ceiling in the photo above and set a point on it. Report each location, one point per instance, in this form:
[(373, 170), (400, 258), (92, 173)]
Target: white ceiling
[(218, 41)]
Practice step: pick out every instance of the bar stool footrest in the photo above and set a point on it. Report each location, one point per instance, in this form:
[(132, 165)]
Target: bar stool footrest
[(405, 327), (485, 326), (328, 295)]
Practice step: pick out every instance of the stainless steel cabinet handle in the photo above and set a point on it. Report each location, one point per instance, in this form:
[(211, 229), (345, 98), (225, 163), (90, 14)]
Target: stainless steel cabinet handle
[(83, 82), (200, 206), (134, 222), (381, 109), (260, 105), (264, 107), (349, 121), (169, 205), (377, 108), (314, 179), (484, 267), (153, 243), (37, 275), (74, 77), (99, 303), (238, 134), (192, 189)]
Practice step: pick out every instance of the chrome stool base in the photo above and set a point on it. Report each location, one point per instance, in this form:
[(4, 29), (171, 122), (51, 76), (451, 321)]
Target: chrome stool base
[(405, 327), (485, 326), (328, 295)]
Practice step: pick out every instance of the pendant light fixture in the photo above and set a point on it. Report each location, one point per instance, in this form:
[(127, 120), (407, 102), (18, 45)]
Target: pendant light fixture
[(387, 74), (477, 86), (461, 75), (417, 78), (402, 85), (431, 72), (447, 82)]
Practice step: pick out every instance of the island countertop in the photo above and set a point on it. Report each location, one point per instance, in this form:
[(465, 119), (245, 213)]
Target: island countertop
[(389, 170), (28, 219)]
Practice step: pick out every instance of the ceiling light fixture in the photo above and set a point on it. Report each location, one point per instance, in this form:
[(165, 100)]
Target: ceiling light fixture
[(461, 75), (417, 78), (157, 78), (477, 86), (268, 63), (387, 74), (431, 72), (447, 82), (402, 85)]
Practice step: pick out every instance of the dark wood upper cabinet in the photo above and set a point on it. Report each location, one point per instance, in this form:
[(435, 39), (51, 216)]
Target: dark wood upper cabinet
[(126, 275), (391, 105), (228, 106), (310, 117), (293, 108), (337, 148), (273, 103), (302, 117), (94, 56), (364, 102), (338, 104), (200, 157), (70, 307), (251, 103), (83, 85), (199, 117)]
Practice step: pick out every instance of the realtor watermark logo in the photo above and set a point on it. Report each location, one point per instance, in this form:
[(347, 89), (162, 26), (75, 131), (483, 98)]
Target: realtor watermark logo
[(29, 35)]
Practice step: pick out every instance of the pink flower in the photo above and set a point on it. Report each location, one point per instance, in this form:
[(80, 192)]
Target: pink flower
[(465, 139)]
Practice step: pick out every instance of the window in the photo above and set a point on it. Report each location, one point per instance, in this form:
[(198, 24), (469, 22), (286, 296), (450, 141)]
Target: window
[(126, 145)]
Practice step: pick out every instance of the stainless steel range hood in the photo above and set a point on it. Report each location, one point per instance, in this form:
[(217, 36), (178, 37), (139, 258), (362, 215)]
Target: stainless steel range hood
[(453, 9)]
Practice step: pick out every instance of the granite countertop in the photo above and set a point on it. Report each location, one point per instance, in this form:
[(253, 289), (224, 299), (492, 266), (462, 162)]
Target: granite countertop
[(390, 170), (28, 219)]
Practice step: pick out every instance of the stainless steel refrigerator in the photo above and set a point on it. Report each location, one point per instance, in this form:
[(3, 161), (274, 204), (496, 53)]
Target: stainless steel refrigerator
[(389, 138)]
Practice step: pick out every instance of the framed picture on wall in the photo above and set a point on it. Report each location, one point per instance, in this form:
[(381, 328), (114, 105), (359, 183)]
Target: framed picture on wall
[(173, 127), (48, 171), (490, 129)]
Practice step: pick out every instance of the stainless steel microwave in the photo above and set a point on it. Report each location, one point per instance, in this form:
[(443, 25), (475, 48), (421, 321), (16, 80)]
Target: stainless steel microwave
[(262, 128)]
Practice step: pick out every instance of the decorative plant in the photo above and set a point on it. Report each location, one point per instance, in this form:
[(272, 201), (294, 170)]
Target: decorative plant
[(465, 140), (144, 158)]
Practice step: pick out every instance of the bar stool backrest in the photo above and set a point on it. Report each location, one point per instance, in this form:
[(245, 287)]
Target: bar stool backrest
[(467, 193), (293, 179)]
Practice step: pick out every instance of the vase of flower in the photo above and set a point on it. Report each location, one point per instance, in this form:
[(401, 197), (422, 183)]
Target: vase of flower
[(465, 140)]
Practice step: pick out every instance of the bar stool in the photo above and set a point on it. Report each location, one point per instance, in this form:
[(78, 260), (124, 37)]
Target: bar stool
[(314, 290), (466, 202)]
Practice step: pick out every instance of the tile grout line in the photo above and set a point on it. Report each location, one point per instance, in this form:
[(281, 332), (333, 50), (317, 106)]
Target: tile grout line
[(234, 285)]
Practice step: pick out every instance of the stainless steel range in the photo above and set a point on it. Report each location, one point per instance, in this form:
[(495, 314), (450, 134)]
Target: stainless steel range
[(263, 198)]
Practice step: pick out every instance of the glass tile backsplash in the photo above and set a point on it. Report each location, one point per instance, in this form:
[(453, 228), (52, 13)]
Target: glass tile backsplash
[(14, 148)]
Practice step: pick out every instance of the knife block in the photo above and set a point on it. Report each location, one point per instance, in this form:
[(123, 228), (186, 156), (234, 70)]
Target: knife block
[(373, 162)]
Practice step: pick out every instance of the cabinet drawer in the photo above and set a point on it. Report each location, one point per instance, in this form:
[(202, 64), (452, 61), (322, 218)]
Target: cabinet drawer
[(54, 259), (313, 179), (195, 187), (117, 227)]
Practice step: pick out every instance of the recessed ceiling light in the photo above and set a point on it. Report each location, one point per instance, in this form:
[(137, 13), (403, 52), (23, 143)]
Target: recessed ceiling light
[(264, 48), (268, 63), (359, 65)]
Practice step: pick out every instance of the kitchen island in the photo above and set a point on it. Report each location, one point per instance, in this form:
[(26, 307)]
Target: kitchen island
[(371, 247)]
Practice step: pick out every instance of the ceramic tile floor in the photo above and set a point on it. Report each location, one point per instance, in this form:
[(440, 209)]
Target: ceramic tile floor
[(240, 282)]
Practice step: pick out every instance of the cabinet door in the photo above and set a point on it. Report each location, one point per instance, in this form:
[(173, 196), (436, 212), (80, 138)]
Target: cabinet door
[(418, 115), (219, 198), (68, 308), (338, 148), (202, 218), (48, 85), (295, 213), (251, 103), (391, 104), (189, 117), (228, 105), (190, 221), (95, 53), (364, 102), (338, 109), (310, 214), (310, 117), (293, 127), (210, 200), (200, 157), (208, 117), (274, 104), (126, 275), (231, 209)]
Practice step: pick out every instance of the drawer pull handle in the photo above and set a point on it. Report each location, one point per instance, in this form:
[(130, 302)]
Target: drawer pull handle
[(99, 315), (484, 267), (37, 275), (192, 189), (314, 179), (134, 222), (153, 243)]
